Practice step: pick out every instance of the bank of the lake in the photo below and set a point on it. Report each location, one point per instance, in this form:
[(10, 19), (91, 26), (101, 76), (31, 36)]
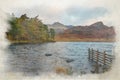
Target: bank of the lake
[(29, 42), (59, 39)]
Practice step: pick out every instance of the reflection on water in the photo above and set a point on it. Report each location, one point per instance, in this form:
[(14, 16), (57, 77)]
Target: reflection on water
[(34, 59)]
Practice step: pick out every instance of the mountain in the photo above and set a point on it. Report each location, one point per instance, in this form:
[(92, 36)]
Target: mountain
[(69, 26), (58, 27), (96, 31), (98, 25)]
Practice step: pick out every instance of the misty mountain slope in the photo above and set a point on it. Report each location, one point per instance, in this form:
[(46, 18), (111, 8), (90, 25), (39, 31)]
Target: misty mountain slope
[(58, 27)]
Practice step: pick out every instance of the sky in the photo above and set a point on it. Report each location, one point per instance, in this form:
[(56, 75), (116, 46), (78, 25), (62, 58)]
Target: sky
[(68, 12)]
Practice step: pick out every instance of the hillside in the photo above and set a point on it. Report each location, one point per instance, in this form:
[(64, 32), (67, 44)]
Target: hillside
[(94, 32)]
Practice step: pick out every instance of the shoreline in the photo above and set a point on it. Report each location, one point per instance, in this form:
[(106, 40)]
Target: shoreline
[(84, 40), (22, 42), (29, 42)]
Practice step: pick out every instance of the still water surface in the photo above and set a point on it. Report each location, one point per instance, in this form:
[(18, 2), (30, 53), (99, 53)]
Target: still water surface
[(34, 59)]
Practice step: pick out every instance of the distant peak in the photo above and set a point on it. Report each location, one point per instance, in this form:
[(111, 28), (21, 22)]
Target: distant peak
[(99, 23), (57, 23)]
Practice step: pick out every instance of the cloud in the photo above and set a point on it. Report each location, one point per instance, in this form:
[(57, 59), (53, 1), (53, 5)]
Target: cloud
[(78, 15), (46, 13), (65, 11)]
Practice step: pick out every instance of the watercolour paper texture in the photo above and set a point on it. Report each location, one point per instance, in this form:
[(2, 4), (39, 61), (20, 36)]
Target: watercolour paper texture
[(59, 40)]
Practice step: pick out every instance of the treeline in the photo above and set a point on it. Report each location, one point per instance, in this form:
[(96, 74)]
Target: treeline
[(26, 29)]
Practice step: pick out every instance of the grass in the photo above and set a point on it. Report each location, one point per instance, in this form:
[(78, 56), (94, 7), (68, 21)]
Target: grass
[(63, 70)]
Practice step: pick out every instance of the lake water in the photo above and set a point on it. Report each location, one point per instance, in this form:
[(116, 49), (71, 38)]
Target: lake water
[(35, 59)]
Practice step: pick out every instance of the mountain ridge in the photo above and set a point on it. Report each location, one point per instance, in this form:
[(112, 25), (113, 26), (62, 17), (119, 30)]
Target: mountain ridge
[(58, 27), (94, 31)]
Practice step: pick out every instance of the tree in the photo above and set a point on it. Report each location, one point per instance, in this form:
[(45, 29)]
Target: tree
[(46, 32), (24, 16), (15, 30), (52, 33), (28, 29)]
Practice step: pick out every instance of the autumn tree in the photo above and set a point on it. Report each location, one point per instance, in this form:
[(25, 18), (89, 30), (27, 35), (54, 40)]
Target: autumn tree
[(28, 29)]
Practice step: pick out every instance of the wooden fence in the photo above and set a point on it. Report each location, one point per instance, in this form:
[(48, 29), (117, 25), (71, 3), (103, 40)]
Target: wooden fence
[(101, 59)]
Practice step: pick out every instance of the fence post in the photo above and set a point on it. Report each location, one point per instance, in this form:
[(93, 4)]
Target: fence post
[(89, 53), (97, 62), (92, 51), (104, 57), (104, 61)]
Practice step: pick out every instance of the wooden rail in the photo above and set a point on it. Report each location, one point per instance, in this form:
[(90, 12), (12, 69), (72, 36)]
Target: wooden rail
[(101, 59)]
